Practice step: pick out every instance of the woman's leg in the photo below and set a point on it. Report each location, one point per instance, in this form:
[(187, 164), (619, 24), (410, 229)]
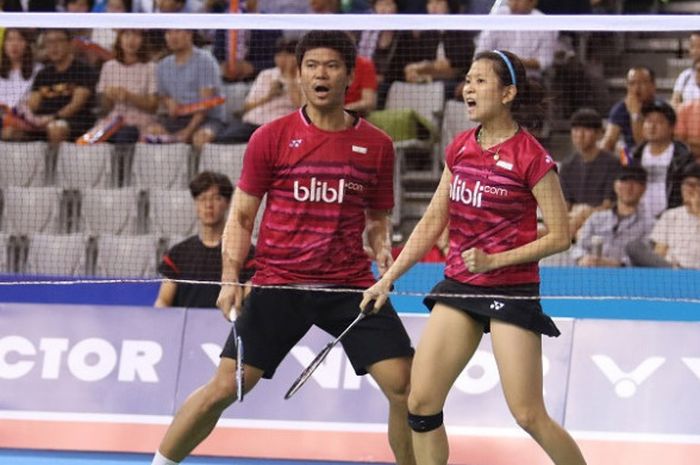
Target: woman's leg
[(518, 355), (446, 345)]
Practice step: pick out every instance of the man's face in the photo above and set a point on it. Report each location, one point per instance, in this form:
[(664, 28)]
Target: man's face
[(629, 191), (211, 207), (437, 7), (690, 191), (694, 46), (57, 45), (583, 138), (178, 39), (324, 78), (385, 7), (521, 7), (640, 84), (657, 128)]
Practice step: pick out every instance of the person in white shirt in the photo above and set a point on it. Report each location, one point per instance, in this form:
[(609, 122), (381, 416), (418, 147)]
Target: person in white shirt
[(675, 234), (17, 66), (535, 48), (686, 88)]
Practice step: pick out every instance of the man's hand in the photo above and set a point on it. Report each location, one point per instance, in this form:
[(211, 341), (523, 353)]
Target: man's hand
[(230, 300), (384, 260)]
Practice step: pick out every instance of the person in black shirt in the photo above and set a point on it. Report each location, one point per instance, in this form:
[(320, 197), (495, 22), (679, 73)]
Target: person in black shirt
[(62, 95), (198, 258)]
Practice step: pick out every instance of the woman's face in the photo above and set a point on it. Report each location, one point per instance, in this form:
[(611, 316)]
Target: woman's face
[(385, 7), (484, 94), (15, 45), (437, 7), (130, 41)]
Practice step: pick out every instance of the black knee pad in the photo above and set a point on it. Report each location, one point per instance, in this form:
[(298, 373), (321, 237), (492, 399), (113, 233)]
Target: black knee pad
[(424, 423)]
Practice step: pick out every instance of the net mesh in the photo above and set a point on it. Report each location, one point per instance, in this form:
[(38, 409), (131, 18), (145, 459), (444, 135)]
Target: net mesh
[(104, 128)]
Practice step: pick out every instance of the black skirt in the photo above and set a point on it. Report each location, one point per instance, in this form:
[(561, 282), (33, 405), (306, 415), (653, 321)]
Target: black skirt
[(526, 313)]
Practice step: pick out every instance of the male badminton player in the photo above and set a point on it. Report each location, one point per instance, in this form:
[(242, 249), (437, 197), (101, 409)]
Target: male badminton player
[(328, 176)]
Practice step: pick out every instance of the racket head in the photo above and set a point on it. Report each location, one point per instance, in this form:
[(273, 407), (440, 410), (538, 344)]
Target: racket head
[(308, 371)]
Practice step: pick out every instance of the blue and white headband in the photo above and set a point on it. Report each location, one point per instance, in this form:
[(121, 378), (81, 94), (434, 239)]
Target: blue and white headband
[(511, 70)]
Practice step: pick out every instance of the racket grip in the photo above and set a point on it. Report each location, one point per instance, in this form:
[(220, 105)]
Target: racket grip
[(232, 315)]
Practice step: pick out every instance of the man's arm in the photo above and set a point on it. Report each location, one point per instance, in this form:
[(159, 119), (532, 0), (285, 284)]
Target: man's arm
[(166, 295), (378, 236), (235, 246), (609, 140), (76, 104)]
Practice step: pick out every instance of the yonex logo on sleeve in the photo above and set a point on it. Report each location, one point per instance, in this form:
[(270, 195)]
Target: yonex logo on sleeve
[(295, 143)]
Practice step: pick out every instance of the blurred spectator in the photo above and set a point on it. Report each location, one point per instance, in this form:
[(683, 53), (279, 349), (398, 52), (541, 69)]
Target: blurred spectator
[(422, 56), (625, 117), (686, 88), (324, 6), (587, 179), (189, 75), (663, 158), (79, 6), (198, 258), (29, 5), (605, 234), (252, 50), (688, 125), (61, 99), (565, 7), (675, 234), (379, 46), (127, 87), (535, 48), (106, 37), (275, 93), (17, 66), (168, 6), (283, 6), (361, 96)]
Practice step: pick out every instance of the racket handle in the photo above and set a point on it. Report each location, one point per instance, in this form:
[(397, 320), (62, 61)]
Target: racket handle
[(232, 315)]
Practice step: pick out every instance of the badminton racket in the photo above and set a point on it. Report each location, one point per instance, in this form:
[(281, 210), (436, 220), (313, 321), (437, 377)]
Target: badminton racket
[(316, 362)]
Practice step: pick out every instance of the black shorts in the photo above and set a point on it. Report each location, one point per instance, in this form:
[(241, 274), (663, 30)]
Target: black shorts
[(526, 313), (274, 320)]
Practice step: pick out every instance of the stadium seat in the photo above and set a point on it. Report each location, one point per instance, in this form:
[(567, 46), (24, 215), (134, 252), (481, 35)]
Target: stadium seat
[(5, 262), (127, 256), (57, 255), (226, 159), (161, 166), (171, 213), (22, 164), (84, 166), (28, 210), (110, 211), (454, 121)]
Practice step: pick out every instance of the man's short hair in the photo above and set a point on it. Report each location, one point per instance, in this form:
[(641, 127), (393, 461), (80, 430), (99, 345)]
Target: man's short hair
[(586, 118), (632, 172), (334, 40), (692, 170), (659, 106), (652, 74), (208, 179)]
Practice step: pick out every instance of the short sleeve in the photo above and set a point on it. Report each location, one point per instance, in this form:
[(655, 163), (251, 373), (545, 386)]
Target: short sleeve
[(383, 198), (619, 115), (106, 75), (539, 165), (257, 173)]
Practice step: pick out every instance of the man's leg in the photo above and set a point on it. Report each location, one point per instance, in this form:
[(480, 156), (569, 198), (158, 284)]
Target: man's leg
[(202, 409), (393, 377)]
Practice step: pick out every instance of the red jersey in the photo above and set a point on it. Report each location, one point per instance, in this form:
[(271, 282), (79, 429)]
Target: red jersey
[(318, 186), (365, 78), (491, 203)]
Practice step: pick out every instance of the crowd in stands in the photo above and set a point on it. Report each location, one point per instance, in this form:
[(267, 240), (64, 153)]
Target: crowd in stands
[(635, 165)]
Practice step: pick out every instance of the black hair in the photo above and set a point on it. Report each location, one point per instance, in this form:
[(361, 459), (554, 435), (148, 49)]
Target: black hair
[(208, 179), (528, 107), (586, 118), (652, 74), (334, 40)]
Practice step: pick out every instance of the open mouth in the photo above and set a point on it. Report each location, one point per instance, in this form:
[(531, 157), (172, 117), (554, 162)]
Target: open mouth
[(471, 103), (321, 90)]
